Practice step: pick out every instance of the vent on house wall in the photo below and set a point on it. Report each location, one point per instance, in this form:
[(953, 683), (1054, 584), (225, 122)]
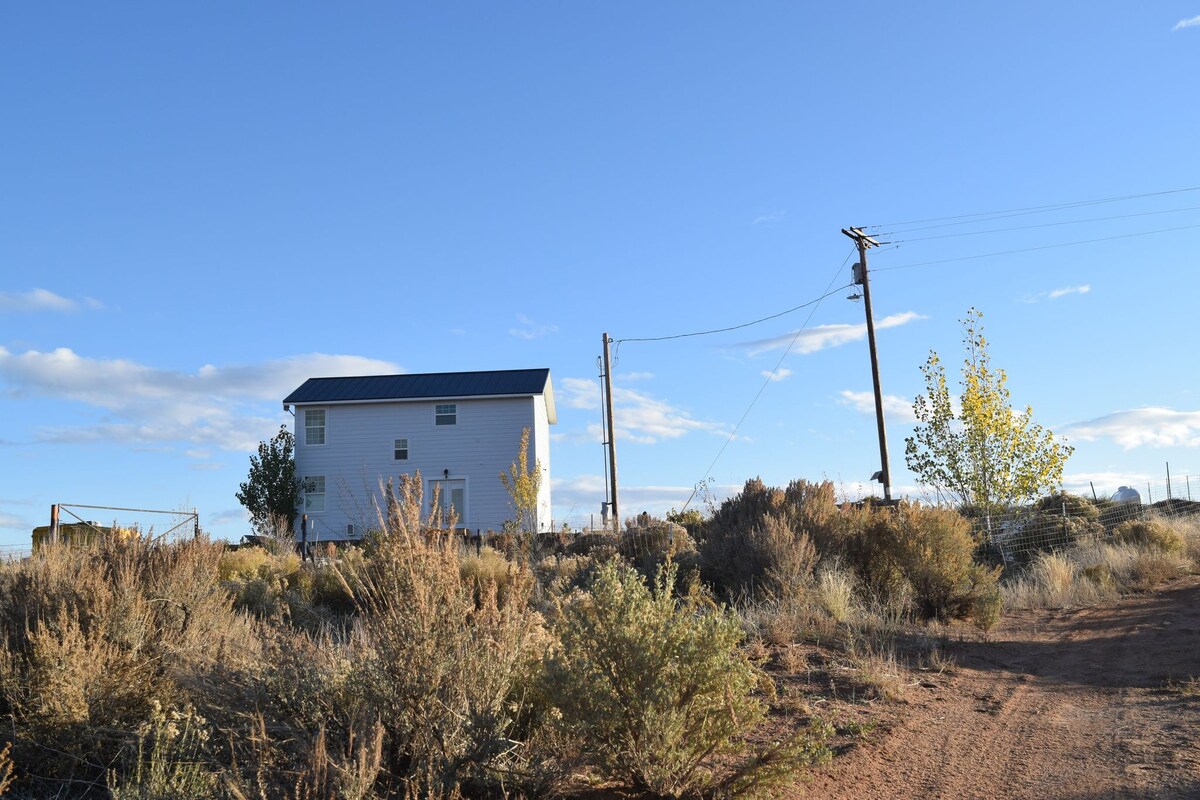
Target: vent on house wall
[(350, 530)]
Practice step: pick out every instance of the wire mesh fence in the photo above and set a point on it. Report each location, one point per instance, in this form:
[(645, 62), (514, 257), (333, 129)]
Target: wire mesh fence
[(15, 552), (1013, 537)]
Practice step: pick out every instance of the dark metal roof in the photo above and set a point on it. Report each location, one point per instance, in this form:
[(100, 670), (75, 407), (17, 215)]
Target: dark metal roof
[(429, 385)]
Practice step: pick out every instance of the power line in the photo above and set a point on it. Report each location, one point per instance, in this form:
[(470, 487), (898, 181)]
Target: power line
[(1040, 247), (735, 327), (1037, 209), (771, 374), (1051, 224)]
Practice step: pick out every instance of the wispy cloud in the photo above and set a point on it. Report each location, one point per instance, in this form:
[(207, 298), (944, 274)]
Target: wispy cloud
[(1191, 22), (228, 516), (1055, 294), (823, 337), (212, 407), (1151, 426), (43, 300), (769, 217), (778, 375), (894, 407), (640, 417), (530, 329)]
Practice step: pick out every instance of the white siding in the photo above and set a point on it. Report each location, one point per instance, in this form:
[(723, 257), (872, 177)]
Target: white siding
[(358, 454), (539, 453)]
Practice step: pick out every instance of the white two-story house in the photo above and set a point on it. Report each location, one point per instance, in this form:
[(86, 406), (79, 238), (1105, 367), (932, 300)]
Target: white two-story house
[(459, 429)]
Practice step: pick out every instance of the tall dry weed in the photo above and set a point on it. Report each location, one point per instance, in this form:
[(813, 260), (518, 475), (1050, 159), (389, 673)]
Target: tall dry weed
[(441, 656), (91, 638)]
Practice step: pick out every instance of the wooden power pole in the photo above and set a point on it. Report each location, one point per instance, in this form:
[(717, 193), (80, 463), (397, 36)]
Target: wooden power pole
[(864, 242), (611, 433)]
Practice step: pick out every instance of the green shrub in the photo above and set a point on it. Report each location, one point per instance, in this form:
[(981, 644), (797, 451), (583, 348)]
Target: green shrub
[(652, 542), (1154, 533), (1067, 504), (766, 539), (657, 689), (935, 552)]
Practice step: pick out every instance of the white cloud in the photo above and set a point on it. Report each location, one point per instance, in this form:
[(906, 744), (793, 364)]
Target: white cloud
[(228, 516), (10, 521), (640, 417), (769, 217), (1055, 294), (1152, 426), (1186, 23), (39, 300), (212, 407), (894, 407), (825, 336), (577, 393), (1066, 290), (530, 329), (777, 375)]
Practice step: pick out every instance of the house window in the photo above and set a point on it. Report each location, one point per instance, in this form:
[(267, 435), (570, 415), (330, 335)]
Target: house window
[(445, 414), (400, 450), (314, 426), (314, 494)]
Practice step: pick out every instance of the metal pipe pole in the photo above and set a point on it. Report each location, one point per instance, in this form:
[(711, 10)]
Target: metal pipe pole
[(612, 434)]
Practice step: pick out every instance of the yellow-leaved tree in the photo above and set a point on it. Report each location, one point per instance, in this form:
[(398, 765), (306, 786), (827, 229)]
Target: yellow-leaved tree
[(524, 486), (987, 456)]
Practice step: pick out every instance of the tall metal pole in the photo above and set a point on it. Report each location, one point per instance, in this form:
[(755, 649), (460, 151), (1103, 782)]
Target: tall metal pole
[(863, 242), (611, 432)]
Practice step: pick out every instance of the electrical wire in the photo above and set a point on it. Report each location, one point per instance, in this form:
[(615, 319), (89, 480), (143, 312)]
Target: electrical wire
[(734, 327), (772, 373), (1051, 224), (1032, 249), (1032, 209)]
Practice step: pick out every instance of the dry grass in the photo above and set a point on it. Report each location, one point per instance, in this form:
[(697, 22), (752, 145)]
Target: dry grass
[(6, 767), (1142, 557), (835, 592)]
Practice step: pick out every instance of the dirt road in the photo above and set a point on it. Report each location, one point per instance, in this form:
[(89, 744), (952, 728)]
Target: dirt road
[(1083, 705)]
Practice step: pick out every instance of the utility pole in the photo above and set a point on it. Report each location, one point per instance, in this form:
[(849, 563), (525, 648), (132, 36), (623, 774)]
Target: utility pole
[(611, 432), (864, 242)]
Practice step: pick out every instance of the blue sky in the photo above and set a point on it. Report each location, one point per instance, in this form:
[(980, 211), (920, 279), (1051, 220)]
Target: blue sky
[(205, 204)]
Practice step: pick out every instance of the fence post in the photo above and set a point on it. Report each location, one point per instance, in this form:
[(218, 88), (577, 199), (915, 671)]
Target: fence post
[(54, 523), (303, 537)]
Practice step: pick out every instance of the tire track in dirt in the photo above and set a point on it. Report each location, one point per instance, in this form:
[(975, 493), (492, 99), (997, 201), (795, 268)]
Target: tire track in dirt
[(1083, 704)]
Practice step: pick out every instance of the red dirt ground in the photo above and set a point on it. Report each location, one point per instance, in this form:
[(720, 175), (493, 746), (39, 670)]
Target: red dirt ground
[(1078, 704)]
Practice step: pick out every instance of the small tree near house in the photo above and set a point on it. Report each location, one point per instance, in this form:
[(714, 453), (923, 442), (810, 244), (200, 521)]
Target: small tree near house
[(523, 486), (271, 492)]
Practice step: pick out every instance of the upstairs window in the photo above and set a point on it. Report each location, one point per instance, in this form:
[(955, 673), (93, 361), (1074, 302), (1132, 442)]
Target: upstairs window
[(314, 426), (400, 450), (314, 494), (445, 414)]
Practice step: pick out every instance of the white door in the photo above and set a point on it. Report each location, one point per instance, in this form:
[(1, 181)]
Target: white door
[(452, 494)]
